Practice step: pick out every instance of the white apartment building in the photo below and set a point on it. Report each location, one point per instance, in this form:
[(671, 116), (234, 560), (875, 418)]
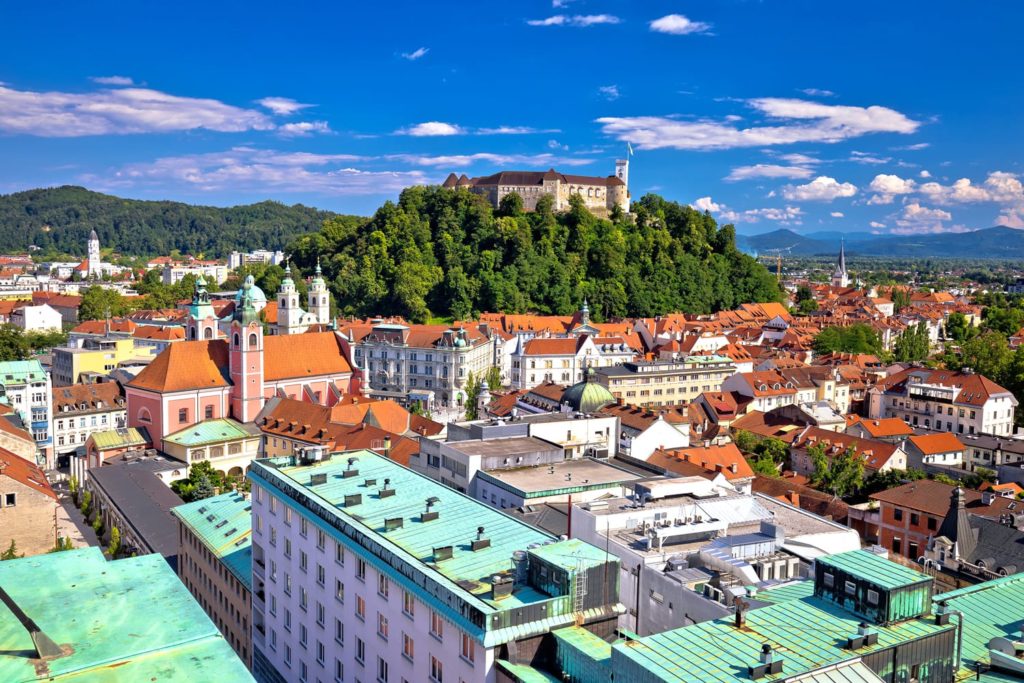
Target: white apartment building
[(81, 409), (42, 318), (426, 363), (25, 386), (943, 400), (236, 259), (563, 359), (213, 271), (364, 570)]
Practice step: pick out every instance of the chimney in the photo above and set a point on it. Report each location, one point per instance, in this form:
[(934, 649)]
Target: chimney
[(387, 446), (741, 608), (794, 498), (481, 541)]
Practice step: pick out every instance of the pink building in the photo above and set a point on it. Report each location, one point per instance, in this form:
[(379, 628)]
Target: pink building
[(208, 377)]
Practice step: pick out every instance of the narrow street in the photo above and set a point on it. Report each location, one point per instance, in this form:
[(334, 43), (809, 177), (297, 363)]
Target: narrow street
[(70, 522)]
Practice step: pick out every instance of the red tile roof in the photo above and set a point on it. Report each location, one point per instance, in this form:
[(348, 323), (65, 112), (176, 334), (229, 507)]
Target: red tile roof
[(874, 453), (881, 427), (725, 458), (168, 333), (932, 497), (24, 472), (939, 442), (556, 346)]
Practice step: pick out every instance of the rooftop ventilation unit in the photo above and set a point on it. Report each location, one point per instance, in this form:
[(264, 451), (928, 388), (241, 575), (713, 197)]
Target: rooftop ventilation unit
[(429, 515), (393, 523), (318, 479), (387, 491), (443, 552), (481, 541), (353, 499), (351, 470)]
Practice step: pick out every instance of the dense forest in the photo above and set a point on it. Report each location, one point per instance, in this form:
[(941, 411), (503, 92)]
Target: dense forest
[(439, 252), (58, 220)]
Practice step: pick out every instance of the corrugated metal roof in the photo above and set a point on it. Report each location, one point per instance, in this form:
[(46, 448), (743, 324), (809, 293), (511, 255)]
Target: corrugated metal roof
[(118, 438), (585, 641), (794, 590), (209, 431), (807, 634), (21, 371), (874, 568), (125, 620), (224, 524), (521, 673), (847, 672), (990, 609)]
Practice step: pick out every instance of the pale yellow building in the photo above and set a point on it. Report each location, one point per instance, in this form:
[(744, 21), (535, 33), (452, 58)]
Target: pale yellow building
[(99, 356), (649, 384)]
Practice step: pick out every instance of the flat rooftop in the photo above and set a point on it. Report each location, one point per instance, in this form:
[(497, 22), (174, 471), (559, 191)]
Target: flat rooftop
[(224, 525), (568, 474), (123, 620), (512, 446)]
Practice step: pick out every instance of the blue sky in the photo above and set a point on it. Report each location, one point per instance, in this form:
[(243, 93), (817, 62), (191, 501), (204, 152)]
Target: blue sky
[(893, 117)]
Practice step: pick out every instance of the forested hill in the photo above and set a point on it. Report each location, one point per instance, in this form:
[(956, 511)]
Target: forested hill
[(61, 218), (445, 252)]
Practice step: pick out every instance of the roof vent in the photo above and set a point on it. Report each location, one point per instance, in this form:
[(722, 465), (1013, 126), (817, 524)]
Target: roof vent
[(351, 470), (770, 664), (386, 491), (392, 523), (317, 479), (370, 482), (481, 541), (429, 515), (443, 552), (501, 586), (353, 499)]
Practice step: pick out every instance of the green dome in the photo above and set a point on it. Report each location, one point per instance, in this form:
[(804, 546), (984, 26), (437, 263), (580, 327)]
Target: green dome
[(587, 396)]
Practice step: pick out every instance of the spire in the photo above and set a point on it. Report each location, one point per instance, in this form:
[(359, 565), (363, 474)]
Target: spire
[(585, 313), (842, 255), (957, 527), (318, 271)]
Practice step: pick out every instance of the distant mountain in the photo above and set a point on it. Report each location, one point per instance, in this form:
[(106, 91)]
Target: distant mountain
[(62, 217), (999, 242)]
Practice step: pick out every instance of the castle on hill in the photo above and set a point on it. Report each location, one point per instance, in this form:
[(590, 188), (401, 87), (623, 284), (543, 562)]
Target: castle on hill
[(600, 194)]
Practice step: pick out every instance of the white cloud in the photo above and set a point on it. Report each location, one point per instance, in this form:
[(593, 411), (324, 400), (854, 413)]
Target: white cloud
[(430, 129), (925, 174), (818, 92), (794, 121), (514, 130), (303, 129), (250, 170), (821, 189), (837, 214), (678, 25), (912, 148), (999, 187), (916, 218), (119, 112), (555, 144), (868, 158), (876, 224), (886, 187), (282, 106), (1012, 218), (544, 160), (416, 54), (580, 20), (610, 92), (112, 80), (706, 204), (768, 171), (798, 159)]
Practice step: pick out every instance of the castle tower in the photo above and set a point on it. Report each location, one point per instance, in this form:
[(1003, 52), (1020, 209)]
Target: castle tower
[(93, 260), (622, 171), (289, 315), (840, 278), (245, 361), (319, 299), (483, 399), (202, 320)]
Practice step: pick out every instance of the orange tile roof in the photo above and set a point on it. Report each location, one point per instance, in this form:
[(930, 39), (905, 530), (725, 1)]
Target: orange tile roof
[(24, 472), (558, 346), (89, 394), (17, 432), (1009, 487), (168, 333), (100, 326), (724, 458), (874, 453), (291, 356), (939, 442), (881, 427), (186, 365), (387, 415)]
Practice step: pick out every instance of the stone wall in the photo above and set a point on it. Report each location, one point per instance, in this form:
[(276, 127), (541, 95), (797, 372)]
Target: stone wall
[(29, 522)]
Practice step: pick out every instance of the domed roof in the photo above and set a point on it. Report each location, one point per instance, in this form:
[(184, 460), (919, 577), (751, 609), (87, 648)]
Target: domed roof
[(255, 293), (587, 396)]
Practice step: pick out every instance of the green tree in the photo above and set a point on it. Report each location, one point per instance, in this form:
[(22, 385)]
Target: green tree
[(764, 465), (86, 502), (884, 480), (493, 377), (807, 306), (63, 543), (913, 345), (857, 338), (202, 482), (115, 542), (900, 299), (511, 204), (12, 343), (472, 390), (11, 553), (987, 354), (773, 448), (958, 327), (946, 479), (99, 302), (44, 341), (745, 441), (841, 475), (803, 293)]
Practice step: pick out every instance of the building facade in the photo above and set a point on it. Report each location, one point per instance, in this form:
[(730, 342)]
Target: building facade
[(650, 384), (82, 409), (25, 386), (365, 570), (28, 506)]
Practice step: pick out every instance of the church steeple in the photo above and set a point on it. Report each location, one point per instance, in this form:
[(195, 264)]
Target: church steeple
[(841, 278)]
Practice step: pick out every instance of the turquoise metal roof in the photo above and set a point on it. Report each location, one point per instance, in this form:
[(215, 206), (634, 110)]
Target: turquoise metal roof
[(794, 590), (521, 673), (21, 372), (207, 432), (990, 609), (572, 554), (808, 634), (465, 575), (847, 672), (224, 524), (125, 620), (874, 568)]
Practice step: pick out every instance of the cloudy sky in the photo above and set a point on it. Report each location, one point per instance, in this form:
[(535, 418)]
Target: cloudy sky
[(891, 117)]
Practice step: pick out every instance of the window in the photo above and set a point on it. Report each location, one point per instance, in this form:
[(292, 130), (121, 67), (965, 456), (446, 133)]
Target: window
[(183, 415), (288, 655), (382, 586), (302, 559), (932, 524), (287, 583), (303, 598), (339, 590), (360, 607), (303, 672), (408, 603), (339, 554), (436, 671), (382, 626), (302, 635), (829, 580), (339, 671), (850, 587), (320, 574), (382, 670), (303, 527), (319, 653), (872, 597), (436, 625), (287, 620), (915, 518), (208, 412), (10, 500), (360, 650), (897, 546), (468, 648), (319, 613), (321, 539), (361, 569), (408, 647), (339, 631), (287, 547), (897, 514)]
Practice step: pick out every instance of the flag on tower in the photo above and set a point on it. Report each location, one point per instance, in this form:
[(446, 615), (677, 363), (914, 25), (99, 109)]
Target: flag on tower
[(629, 148)]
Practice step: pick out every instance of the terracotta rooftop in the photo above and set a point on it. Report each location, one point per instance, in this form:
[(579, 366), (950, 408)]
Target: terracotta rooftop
[(24, 472), (725, 458), (881, 427), (92, 395), (939, 442), (932, 497)]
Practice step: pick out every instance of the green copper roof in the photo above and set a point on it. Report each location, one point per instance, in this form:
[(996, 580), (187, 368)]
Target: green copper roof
[(21, 372), (588, 396), (224, 524), (874, 568), (522, 673), (795, 590), (990, 609), (125, 620), (118, 438), (207, 432), (808, 634)]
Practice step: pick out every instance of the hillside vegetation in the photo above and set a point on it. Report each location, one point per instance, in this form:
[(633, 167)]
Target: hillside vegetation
[(445, 252), (60, 219)]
